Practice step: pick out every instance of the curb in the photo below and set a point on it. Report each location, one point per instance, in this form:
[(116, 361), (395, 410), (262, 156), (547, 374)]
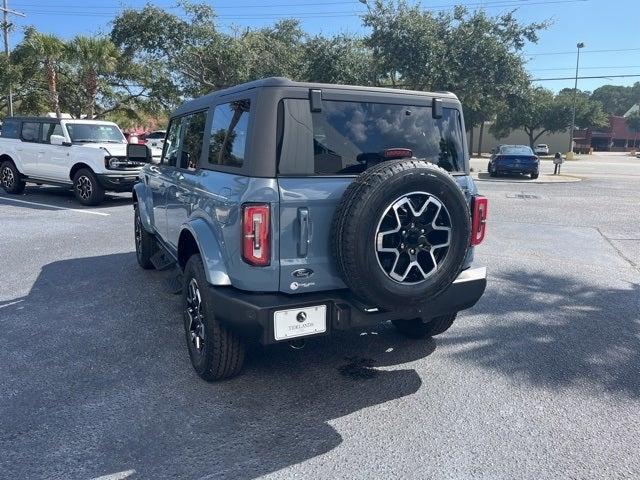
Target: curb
[(539, 180)]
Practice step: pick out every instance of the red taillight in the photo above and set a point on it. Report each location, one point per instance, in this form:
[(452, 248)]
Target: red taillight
[(255, 234), (478, 219)]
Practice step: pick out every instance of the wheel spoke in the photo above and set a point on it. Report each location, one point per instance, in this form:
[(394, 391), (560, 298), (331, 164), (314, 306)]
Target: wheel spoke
[(408, 223)]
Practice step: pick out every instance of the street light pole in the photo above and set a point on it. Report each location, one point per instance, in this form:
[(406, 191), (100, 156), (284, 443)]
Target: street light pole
[(5, 36), (575, 94)]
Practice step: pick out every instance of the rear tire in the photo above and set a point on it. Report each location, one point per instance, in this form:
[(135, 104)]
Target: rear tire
[(86, 187), (10, 178), (422, 328), (215, 351), (145, 241), (492, 172), (534, 176)]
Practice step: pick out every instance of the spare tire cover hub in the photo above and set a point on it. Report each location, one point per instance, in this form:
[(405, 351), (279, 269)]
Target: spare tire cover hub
[(413, 237)]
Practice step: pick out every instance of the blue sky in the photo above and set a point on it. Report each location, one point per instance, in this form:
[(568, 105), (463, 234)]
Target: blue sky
[(609, 25)]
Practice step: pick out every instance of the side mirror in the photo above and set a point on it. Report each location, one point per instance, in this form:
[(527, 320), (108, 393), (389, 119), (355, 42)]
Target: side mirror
[(138, 152), (57, 140)]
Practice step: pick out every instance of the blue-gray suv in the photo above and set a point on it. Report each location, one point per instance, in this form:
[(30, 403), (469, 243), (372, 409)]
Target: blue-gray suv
[(296, 209)]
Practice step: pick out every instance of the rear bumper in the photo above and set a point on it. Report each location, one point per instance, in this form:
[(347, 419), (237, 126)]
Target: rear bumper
[(114, 182), (252, 313), (517, 168)]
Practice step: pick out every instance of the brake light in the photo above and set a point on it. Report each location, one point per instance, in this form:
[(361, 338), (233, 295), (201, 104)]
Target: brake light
[(393, 153), (255, 234), (478, 219)]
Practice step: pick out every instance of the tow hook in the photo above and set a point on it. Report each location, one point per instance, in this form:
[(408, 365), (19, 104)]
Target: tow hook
[(298, 343)]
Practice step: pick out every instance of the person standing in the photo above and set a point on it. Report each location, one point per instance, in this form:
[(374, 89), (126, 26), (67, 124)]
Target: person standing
[(557, 160)]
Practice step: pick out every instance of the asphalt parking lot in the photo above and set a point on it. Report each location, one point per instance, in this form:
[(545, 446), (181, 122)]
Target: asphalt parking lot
[(541, 379)]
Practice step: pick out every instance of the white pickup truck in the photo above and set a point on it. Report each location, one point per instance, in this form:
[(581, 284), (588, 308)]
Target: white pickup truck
[(88, 155)]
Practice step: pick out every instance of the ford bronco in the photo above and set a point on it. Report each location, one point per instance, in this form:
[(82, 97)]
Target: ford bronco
[(89, 156), (296, 209)]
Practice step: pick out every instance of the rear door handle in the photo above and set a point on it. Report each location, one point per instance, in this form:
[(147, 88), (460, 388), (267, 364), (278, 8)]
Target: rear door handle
[(303, 226)]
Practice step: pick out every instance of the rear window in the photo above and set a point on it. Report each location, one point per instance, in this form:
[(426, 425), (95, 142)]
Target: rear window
[(347, 137), (516, 150), (10, 129)]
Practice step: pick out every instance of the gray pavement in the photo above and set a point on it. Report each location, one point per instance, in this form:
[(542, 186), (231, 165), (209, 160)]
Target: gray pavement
[(540, 380)]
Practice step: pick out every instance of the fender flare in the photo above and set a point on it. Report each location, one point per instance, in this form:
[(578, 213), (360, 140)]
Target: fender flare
[(141, 197), (210, 251)]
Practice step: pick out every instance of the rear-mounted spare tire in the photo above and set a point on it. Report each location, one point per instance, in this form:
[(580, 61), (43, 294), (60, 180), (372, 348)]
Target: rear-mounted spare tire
[(400, 234)]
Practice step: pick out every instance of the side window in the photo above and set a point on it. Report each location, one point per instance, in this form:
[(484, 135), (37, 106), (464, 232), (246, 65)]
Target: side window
[(193, 126), (49, 129), (172, 145), (229, 133), (30, 131), (10, 129)]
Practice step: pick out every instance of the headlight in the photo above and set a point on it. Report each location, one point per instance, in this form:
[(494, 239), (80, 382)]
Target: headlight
[(114, 162)]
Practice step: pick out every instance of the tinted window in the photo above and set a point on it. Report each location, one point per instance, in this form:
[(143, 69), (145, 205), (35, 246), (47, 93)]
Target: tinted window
[(172, 144), (10, 128), (347, 137), (95, 133), (156, 135), (30, 131), (49, 129), (193, 126), (229, 133), (516, 150)]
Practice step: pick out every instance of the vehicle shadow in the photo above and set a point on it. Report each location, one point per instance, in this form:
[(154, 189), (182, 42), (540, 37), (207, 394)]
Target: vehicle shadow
[(505, 176), (59, 197), (554, 332), (96, 380)]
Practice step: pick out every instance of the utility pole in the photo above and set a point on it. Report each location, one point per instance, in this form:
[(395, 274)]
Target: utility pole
[(5, 29), (575, 94)]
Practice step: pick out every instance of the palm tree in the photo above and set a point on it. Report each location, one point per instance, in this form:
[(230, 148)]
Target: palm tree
[(48, 50), (633, 124), (93, 56)]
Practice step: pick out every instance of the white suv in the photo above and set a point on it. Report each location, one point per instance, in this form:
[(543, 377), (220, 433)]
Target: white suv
[(88, 155)]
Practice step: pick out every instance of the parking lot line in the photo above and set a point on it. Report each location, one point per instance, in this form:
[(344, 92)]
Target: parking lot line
[(55, 206)]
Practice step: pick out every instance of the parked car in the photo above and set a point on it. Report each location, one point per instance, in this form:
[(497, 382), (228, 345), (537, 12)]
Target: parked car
[(293, 210), (542, 149), (155, 141), (87, 155), (510, 159)]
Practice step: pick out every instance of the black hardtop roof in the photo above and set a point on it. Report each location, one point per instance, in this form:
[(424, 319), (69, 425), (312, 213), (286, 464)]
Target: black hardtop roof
[(282, 82), (33, 118)]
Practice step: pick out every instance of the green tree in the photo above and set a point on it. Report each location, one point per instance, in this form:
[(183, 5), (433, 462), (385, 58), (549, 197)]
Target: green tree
[(633, 124), (471, 54), (617, 99), (537, 111), (47, 50), (93, 57), (339, 59)]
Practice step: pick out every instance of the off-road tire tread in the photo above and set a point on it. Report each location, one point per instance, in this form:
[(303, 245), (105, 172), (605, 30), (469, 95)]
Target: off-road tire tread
[(418, 328), (148, 244), (19, 184), (226, 349), (343, 238), (97, 193)]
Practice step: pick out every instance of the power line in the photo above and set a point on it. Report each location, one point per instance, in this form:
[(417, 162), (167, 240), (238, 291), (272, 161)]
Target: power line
[(583, 78), (573, 52), (582, 68), (442, 7)]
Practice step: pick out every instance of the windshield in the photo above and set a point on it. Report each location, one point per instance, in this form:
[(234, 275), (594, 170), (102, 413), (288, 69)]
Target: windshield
[(347, 137), (516, 150), (94, 133)]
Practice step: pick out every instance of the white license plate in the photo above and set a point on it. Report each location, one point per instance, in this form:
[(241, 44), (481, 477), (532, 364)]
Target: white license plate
[(298, 322)]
